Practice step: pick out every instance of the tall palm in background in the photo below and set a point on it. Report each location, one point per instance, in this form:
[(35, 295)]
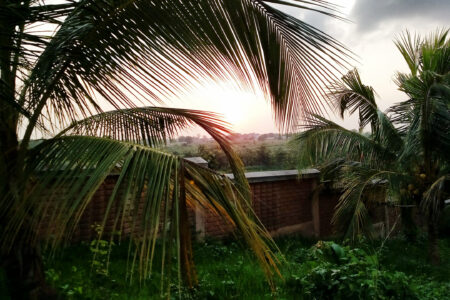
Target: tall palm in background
[(407, 148), (125, 56)]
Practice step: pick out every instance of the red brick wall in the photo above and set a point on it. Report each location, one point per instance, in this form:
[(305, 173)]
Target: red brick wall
[(276, 203), (95, 212), (279, 204), (282, 203), (216, 226)]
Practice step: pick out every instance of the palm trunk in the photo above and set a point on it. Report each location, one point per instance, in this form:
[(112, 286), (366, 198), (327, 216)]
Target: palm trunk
[(21, 261), (25, 272), (408, 224), (433, 242)]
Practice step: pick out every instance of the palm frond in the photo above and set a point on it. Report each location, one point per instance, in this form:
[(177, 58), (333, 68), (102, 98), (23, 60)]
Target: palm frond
[(350, 94), (325, 141), (387, 134), (401, 115), (150, 126), (435, 52), (157, 50), (408, 146), (408, 46), (230, 204), (7, 100), (153, 126), (351, 213), (150, 188), (433, 198)]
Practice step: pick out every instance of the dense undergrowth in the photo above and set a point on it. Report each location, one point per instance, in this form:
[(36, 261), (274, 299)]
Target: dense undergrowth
[(311, 270)]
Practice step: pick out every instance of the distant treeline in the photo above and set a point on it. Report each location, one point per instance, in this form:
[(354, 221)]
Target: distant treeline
[(263, 152), (235, 137)]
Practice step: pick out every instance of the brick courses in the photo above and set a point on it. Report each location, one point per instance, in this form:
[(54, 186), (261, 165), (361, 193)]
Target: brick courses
[(282, 201)]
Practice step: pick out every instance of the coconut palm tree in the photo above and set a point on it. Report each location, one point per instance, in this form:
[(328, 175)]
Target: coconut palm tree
[(406, 150), (86, 75)]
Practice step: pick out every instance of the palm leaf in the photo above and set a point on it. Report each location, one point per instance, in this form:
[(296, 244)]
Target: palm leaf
[(352, 95), (325, 141), (408, 46), (153, 126), (433, 200), (154, 51), (351, 213), (149, 191)]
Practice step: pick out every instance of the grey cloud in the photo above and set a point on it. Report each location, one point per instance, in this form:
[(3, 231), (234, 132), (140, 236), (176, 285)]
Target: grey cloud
[(313, 18), (370, 14)]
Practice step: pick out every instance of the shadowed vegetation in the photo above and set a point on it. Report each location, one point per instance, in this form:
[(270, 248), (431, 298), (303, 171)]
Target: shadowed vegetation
[(406, 151)]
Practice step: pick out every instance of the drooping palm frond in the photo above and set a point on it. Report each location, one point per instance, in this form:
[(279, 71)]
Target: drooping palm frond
[(325, 141), (401, 115), (150, 188), (150, 126), (433, 200), (153, 126), (387, 134), (212, 196), (351, 213), (350, 94), (122, 51)]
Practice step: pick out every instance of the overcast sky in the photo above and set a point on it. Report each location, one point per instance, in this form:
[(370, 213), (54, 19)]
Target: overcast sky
[(370, 34)]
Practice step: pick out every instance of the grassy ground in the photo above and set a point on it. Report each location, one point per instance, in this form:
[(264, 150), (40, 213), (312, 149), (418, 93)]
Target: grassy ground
[(227, 271)]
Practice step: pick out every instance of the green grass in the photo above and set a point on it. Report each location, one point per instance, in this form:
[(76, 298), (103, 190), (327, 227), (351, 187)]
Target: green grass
[(227, 271)]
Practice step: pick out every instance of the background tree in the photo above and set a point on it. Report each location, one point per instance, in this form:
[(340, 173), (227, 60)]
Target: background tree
[(121, 55), (407, 148), (262, 155)]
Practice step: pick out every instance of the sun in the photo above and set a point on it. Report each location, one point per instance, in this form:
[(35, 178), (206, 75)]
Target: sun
[(234, 111), (242, 109)]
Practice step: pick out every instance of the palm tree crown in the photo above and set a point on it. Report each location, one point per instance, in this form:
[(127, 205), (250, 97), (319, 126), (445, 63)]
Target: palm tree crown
[(407, 147)]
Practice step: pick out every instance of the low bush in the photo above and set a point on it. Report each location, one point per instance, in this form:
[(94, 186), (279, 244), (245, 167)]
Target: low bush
[(336, 272)]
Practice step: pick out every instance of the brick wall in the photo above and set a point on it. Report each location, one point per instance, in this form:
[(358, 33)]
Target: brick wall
[(282, 203), (279, 204), (285, 203)]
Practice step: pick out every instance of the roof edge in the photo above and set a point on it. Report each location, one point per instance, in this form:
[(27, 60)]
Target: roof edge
[(280, 175)]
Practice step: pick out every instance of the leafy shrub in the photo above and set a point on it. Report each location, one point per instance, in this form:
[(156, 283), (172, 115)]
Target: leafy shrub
[(84, 282), (80, 283), (336, 272), (432, 290)]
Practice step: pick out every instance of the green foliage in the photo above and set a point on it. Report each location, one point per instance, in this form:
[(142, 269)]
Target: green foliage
[(431, 290), (406, 151), (80, 283), (336, 272), (101, 251), (324, 270)]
